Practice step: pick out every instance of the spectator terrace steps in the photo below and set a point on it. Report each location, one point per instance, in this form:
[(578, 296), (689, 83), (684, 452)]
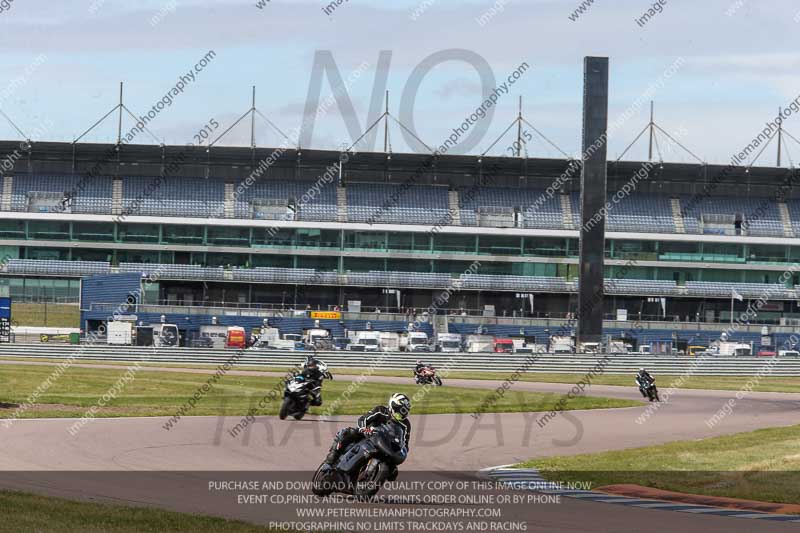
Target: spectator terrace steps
[(8, 187), (676, 215), (786, 219), (229, 200), (455, 210), (566, 209), (341, 204), (116, 196)]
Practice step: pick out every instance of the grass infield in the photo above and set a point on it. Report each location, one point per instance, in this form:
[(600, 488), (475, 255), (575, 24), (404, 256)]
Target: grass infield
[(28, 513), (160, 393), (762, 465), (765, 384)]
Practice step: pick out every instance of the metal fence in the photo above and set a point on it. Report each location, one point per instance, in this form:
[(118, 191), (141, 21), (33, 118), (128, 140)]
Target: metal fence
[(481, 362)]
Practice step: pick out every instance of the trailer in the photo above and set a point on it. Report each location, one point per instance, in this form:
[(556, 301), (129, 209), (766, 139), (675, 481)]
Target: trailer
[(120, 333)]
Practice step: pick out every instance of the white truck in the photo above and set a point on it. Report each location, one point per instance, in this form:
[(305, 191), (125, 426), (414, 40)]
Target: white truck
[(365, 341), (618, 346), (218, 335), (389, 341), (416, 341), (448, 342), (590, 347), (120, 333), (562, 345), (728, 348), (479, 343), (318, 338), (270, 339)]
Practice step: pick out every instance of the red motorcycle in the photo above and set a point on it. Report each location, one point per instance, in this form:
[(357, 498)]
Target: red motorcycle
[(427, 375)]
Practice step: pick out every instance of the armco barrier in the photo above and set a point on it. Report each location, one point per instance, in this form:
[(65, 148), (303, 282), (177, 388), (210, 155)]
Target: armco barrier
[(483, 362)]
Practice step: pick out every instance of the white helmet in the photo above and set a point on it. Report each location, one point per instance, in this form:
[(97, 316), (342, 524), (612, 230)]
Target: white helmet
[(399, 406)]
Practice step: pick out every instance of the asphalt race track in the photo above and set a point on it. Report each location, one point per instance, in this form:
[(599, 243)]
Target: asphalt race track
[(136, 461)]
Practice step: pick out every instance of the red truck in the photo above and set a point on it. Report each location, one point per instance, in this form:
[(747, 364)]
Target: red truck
[(503, 346)]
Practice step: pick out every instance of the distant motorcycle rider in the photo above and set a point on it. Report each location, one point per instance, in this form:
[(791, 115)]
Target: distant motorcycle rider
[(418, 367), (395, 412), (314, 375), (644, 379)]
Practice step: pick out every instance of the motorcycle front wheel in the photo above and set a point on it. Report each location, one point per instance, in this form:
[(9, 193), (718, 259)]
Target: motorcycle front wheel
[(285, 406), (321, 484), (438, 381)]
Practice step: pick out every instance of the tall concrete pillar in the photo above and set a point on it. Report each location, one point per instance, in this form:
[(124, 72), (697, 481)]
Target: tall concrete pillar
[(593, 199)]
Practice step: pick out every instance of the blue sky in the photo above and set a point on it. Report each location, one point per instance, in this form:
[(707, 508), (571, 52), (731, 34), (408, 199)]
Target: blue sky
[(739, 63)]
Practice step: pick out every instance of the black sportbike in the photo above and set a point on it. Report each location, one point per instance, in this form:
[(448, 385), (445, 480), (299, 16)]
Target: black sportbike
[(365, 465), (296, 398), (649, 390)]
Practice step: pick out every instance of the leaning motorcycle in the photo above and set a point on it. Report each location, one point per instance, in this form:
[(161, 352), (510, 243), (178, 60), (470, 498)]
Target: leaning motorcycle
[(365, 465), (296, 398), (651, 391), (426, 375)]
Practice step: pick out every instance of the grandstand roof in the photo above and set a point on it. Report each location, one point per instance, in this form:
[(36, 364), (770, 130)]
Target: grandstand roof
[(239, 162)]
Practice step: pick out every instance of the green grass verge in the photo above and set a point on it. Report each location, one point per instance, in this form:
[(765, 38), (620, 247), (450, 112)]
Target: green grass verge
[(765, 384), (46, 315), (158, 393), (761, 465), (29, 513)]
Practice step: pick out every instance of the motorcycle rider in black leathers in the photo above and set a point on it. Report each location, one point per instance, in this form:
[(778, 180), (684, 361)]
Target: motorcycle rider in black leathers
[(314, 375), (417, 368), (396, 411), (644, 379)]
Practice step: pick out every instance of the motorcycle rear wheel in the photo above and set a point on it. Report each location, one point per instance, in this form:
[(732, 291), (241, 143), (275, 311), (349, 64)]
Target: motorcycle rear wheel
[(370, 480)]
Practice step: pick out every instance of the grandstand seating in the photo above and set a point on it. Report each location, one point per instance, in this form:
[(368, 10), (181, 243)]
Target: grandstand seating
[(55, 267), (88, 195), (429, 280), (390, 203), (759, 217), (172, 197), (398, 279), (166, 271), (384, 203), (747, 290), (515, 283), (538, 211), (640, 286), (315, 201)]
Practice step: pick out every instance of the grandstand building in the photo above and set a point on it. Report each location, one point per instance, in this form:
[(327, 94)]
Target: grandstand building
[(393, 231)]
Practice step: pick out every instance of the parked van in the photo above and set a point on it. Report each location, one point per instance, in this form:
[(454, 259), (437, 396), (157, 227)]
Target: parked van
[(448, 342), (236, 338)]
